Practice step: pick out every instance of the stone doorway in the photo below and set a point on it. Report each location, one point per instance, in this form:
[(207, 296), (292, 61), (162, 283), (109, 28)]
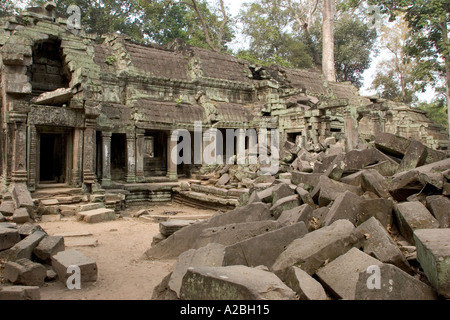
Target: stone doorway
[(53, 158)]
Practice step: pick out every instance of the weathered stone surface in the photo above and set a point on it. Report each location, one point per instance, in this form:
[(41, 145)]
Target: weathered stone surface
[(234, 233), (7, 208), (29, 228), (211, 255), (307, 179), (252, 212), (341, 275), (439, 206), (25, 272), (346, 206), (47, 247), (433, 254), (285, 204), (8, 238), (97, 215), (411, 216), (392, 144), (329, 190), (381, 209), (306, 287), (224, 179), (374, 182), (281, 191), (318, 217), (167, 228), (21, 215), (395, 284), (379, 244), (22, 197), (415, 156), (25, 247), (233, 283), (263, 249), (298, 214), (311, 251), (305, 196), (64, 259), (20, 293)]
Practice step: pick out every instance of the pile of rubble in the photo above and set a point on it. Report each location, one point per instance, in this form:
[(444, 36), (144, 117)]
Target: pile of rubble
[(372, 223), (29, 258)]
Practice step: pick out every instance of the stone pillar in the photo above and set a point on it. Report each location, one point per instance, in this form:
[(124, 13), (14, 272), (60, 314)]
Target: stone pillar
[(240, 148), (32, 157), (140, 140), (77, 156), (19, 163), (131, 158), (89, 151), (351, 130), (106, 159), (171, 165)]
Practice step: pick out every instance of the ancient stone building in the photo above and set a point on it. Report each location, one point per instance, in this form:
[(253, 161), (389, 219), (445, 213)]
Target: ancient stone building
[(78, 109)]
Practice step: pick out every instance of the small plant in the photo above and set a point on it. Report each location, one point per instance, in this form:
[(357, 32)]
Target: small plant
[(110, 60), (179, 102)]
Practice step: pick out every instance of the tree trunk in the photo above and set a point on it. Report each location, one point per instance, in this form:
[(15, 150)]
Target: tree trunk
[(328, 41), (447, 68)]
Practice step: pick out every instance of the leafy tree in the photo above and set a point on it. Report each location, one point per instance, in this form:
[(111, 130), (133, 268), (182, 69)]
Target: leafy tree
[(7, 8), (436, 110)]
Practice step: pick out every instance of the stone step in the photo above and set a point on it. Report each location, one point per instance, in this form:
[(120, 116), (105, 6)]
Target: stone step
[(210, 198), (89, 207), (97, 215)]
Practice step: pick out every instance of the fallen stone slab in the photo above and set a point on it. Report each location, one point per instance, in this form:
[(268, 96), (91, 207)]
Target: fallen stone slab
[(8, 225), (209, 256), (379, 244), (306, 287), (233, 283), (29, 228), (381, 209), (25, 272), (20, 293), (249, 213), (265, 248), (392, 144), (415, 156), (97, 215), (305, 196), (167, 228), (285, 204), (392, 284), (374, 182), (25, 247), (411, 216), (329, 190), (439, 206), (22, 197), (64, 259), (346, 206), (318, 218), (309, 180), (75, 242), (21, 215), (433, 254), (224, 179), (298, 214), (47, 247), (7, 208), (88, 207), (8, 238), (311, 251), (341, 275), (281, 191)]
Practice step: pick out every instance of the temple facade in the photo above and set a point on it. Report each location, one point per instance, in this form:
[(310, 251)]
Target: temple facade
[(79, 109)]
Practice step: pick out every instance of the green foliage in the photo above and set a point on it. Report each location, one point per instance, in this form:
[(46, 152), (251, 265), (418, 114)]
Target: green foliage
[(7, 8), (436, 110), (110, 60)]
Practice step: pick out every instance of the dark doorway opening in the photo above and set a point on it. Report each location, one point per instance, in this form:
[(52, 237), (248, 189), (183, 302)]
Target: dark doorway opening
[(118, 156), (52, 158)]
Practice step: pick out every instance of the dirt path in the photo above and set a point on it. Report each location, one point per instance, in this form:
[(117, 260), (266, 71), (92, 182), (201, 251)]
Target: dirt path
[(122, 273)]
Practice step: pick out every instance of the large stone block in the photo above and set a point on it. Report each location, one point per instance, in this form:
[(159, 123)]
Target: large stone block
[(7, 208), (25, 247), (20, 293), (97, 215), (311, 251), (394, 284), (439, 206), (8, 238), (381, 209), (341, 275), (305, 196), (374, 182), (284, 204), (233, 283), (25, 272), (309, 180), (329, 190), (22, 196), (392, 144), (411, 216), (263, 249), (21, 215), (65, 259), (298, 214), (415, 156), (379, 244), (49, 246), (306, 287), (346, 206), (281, 191), (433, 254)]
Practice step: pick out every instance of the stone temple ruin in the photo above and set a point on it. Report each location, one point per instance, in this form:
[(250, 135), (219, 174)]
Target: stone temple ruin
[(94, 116)]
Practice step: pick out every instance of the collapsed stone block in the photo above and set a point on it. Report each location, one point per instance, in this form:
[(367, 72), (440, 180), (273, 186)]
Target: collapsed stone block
[(7, 208), (298, 214), (305, 196), (20, 293), (439, 206), (415, 156), (381, 209), (329, 190), (411, 216), (310, 180), (306, 287), (346, 206), (65, 259), (374, 182), (233, 283), (379, 244), (341, 275), (8, 238), (285, 204), (25, 247), (311, 251), (47, 247), (433, 254), (392, 144), (281, 191), (97, 215), (393, 284), (21, 215), (25, 272), (168, 228), (265, 248)]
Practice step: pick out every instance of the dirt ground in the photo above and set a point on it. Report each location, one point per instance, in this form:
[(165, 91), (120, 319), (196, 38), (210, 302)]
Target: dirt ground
[(122, 272)]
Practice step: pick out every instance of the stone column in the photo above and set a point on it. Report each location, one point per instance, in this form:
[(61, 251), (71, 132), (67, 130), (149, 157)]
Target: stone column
[(131, 158), (171, 165), (351, 130), (19, 163), (77, 156), (140, 140), (106, 159), (240, 148), (89, 151), (32, 157)]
